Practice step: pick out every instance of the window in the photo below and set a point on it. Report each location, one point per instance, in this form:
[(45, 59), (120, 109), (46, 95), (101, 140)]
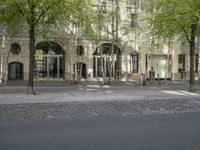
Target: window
[(134, 63), (80, 50), (15, 48), (49, 60), (181, 63), (104, 63)]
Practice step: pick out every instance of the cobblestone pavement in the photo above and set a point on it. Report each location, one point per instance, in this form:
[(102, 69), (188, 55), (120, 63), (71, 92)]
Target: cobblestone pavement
[(38, 111)]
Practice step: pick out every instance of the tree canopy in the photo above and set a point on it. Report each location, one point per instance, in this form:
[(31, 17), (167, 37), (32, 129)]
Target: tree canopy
[(38, 15), (178, 18), (43, 14)]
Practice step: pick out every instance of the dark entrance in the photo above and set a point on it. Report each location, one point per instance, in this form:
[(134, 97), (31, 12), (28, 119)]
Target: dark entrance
[(15, 71)]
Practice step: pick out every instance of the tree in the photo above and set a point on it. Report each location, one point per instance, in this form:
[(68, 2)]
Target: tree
[(35, 16), (2, 57), (179, 18), (81, 27)]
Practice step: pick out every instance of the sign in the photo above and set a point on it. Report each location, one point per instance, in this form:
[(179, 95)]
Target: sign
[(39, 54), (39, 58)]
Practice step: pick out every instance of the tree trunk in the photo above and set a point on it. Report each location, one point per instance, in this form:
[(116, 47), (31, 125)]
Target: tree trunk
[(192, 48), (2, 59), (6, 65), (198, 62), (31, 59)]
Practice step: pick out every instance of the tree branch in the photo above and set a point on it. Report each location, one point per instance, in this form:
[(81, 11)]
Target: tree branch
[(45, 10), (24, 14), (194, 27), (184, 31)]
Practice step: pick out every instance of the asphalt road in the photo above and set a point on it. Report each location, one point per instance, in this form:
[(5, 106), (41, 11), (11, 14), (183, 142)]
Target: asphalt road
[(137, 132)]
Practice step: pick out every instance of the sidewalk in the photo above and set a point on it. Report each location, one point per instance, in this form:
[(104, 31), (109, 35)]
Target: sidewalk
[(55, 91)]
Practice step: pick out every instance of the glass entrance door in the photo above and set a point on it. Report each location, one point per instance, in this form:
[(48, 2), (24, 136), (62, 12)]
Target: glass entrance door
[(52, 71), (161, 65), (103, 65), (50, 67)]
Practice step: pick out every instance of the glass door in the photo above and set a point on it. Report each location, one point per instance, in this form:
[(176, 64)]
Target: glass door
[(50, 67), (53, 67)]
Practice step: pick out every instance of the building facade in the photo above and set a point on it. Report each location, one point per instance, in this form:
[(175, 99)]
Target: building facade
[(127, 53)]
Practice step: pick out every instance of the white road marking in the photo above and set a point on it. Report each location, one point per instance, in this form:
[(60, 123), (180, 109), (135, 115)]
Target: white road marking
[(173, 92), (189, 93), (180, 93)]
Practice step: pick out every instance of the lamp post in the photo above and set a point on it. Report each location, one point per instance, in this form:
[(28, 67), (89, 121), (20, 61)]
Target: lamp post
[(2, 57)]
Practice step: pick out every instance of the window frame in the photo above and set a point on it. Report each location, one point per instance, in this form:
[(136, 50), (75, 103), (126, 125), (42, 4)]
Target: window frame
[(182, 56), (134, 57)]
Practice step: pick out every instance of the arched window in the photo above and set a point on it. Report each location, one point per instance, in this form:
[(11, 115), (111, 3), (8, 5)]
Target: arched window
[(51, 48), (107, 49), (107, 60), (15, 71), (49, 60)]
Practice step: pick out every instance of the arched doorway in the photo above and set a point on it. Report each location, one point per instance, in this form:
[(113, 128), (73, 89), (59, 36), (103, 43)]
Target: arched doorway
[(15, 71), (49, 60), (107, 60)]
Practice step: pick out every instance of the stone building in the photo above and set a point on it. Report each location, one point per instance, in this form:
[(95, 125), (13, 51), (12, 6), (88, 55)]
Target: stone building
[(127, 56)]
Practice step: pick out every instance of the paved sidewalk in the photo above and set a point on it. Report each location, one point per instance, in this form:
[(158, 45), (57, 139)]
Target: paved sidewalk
[(50, 92)]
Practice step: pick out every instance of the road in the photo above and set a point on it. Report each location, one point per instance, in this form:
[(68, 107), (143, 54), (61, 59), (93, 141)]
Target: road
[(100, 117), (136, 132)]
